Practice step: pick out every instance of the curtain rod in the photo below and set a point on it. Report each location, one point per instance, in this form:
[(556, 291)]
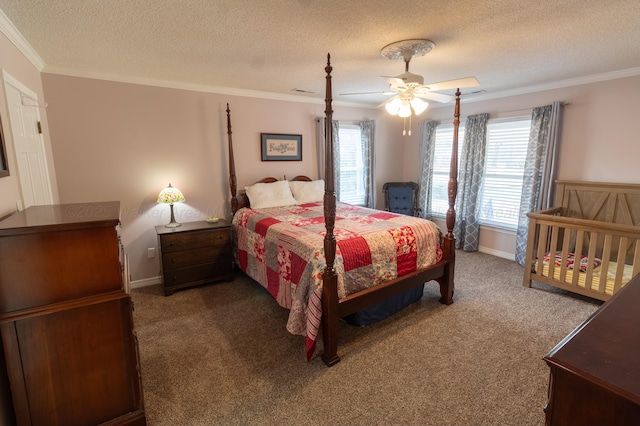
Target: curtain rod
[(528, 109), (503, 112)]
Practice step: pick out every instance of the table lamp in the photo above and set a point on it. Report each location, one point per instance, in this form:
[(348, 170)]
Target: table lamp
[(171, 195)]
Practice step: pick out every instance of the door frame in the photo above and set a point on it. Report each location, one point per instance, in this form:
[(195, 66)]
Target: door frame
[(9, 80)]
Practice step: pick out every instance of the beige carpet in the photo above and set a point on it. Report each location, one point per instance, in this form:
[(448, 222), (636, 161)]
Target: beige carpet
[(220, 354)]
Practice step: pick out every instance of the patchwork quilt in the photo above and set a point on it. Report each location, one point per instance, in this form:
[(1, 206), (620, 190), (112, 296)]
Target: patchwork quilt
[(282, 248)]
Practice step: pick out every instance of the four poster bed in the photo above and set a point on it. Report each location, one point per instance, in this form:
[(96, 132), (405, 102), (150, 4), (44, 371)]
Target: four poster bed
[(324, 260)]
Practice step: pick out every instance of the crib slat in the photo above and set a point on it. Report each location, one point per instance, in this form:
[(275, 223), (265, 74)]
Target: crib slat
[(566, 241), (606, 254), (593, 240), (636, 259), (622, 254), (553, 247), (542, 246), (577, 254)]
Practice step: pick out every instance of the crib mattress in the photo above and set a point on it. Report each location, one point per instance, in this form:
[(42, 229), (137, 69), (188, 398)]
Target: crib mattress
[(595, 279)]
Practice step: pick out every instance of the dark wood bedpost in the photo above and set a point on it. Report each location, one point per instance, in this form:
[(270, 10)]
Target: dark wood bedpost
[(449, 246), (232, 167), (330, 320)]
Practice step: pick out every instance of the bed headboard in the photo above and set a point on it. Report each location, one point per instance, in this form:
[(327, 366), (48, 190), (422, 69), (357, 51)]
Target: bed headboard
[(243, 200), (605, 202)]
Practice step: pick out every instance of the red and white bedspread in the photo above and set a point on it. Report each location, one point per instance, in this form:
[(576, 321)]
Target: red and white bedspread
[(283, 249)]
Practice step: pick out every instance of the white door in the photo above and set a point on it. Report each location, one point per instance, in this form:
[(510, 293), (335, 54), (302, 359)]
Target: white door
[(24, 117)]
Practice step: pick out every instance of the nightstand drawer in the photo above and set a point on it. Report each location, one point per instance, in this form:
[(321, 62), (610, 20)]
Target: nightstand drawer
[(194, 239), (197, 256), (200, 273)]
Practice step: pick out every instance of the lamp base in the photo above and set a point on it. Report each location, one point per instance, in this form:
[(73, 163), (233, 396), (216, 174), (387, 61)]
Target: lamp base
[(172, 223)]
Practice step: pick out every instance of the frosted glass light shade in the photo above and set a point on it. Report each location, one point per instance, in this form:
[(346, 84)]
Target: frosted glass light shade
[(404, 107), (393, 106), (418, 105), (404, 110)]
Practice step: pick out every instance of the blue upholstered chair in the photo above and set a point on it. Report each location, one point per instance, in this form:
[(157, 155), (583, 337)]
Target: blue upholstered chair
[(401, 197)]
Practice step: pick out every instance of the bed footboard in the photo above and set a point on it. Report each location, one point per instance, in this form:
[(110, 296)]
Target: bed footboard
[(587, 257)]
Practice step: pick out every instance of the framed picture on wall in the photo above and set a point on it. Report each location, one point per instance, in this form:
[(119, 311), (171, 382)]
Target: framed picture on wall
[(281, 147)]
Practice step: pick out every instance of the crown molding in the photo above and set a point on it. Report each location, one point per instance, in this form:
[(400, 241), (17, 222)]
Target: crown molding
[(12, 33), (596, 78), (180, 85)]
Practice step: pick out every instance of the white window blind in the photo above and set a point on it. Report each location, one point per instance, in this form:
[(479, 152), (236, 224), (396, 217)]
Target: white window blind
[(499, 201), (441, 166), (351, 166), (504, 168)]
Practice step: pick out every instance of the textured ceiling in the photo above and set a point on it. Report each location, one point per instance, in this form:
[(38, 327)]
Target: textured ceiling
[(275, 46)]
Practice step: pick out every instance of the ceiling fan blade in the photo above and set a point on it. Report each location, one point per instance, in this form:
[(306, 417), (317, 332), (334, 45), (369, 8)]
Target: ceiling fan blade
[(432, 96), (395, 81), (454, 84), (368, 93)]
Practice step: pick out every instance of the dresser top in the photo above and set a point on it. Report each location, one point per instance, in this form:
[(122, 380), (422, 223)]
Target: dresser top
[(60, 217)]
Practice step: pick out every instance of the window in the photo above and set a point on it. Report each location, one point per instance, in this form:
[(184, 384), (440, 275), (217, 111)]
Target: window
[(441, 165), (352, 173), (507, 142), (503, 171)]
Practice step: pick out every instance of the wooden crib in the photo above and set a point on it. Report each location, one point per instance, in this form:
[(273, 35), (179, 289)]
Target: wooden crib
[(589, 243)]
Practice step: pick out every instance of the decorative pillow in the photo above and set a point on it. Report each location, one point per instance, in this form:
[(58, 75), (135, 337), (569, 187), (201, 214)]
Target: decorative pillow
[(275, 194), (307, 192)]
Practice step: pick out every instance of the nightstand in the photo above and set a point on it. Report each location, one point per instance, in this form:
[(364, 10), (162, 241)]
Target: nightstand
[(195, 253)]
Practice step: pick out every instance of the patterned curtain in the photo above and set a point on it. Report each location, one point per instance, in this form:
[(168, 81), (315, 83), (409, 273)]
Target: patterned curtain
[(471, 170), (367, 131), (427, 150), (336, 152), (539, 169)]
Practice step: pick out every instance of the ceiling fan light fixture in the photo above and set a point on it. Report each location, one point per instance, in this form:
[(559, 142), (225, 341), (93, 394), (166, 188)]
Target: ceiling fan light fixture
[(393, 106), (418, 105)]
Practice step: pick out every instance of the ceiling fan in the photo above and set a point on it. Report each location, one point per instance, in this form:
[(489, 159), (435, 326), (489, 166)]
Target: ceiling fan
[(408, 88)]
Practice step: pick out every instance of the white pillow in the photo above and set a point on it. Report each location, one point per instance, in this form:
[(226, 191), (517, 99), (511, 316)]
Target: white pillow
[(275, 194), (307, 192)]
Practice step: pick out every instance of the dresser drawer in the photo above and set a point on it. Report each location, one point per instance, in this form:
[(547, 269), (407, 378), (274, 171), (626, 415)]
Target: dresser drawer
[(198, 274), (195, 239), (196, 256)]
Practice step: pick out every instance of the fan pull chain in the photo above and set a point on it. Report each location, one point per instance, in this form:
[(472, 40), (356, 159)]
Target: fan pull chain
[(404, 130)]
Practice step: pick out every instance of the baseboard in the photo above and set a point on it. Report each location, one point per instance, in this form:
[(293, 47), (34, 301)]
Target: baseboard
[(497, 253), (145, 282)]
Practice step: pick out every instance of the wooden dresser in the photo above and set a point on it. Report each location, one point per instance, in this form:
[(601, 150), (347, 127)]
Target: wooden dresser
[(195, 253), (69, 348), (595, 370)]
